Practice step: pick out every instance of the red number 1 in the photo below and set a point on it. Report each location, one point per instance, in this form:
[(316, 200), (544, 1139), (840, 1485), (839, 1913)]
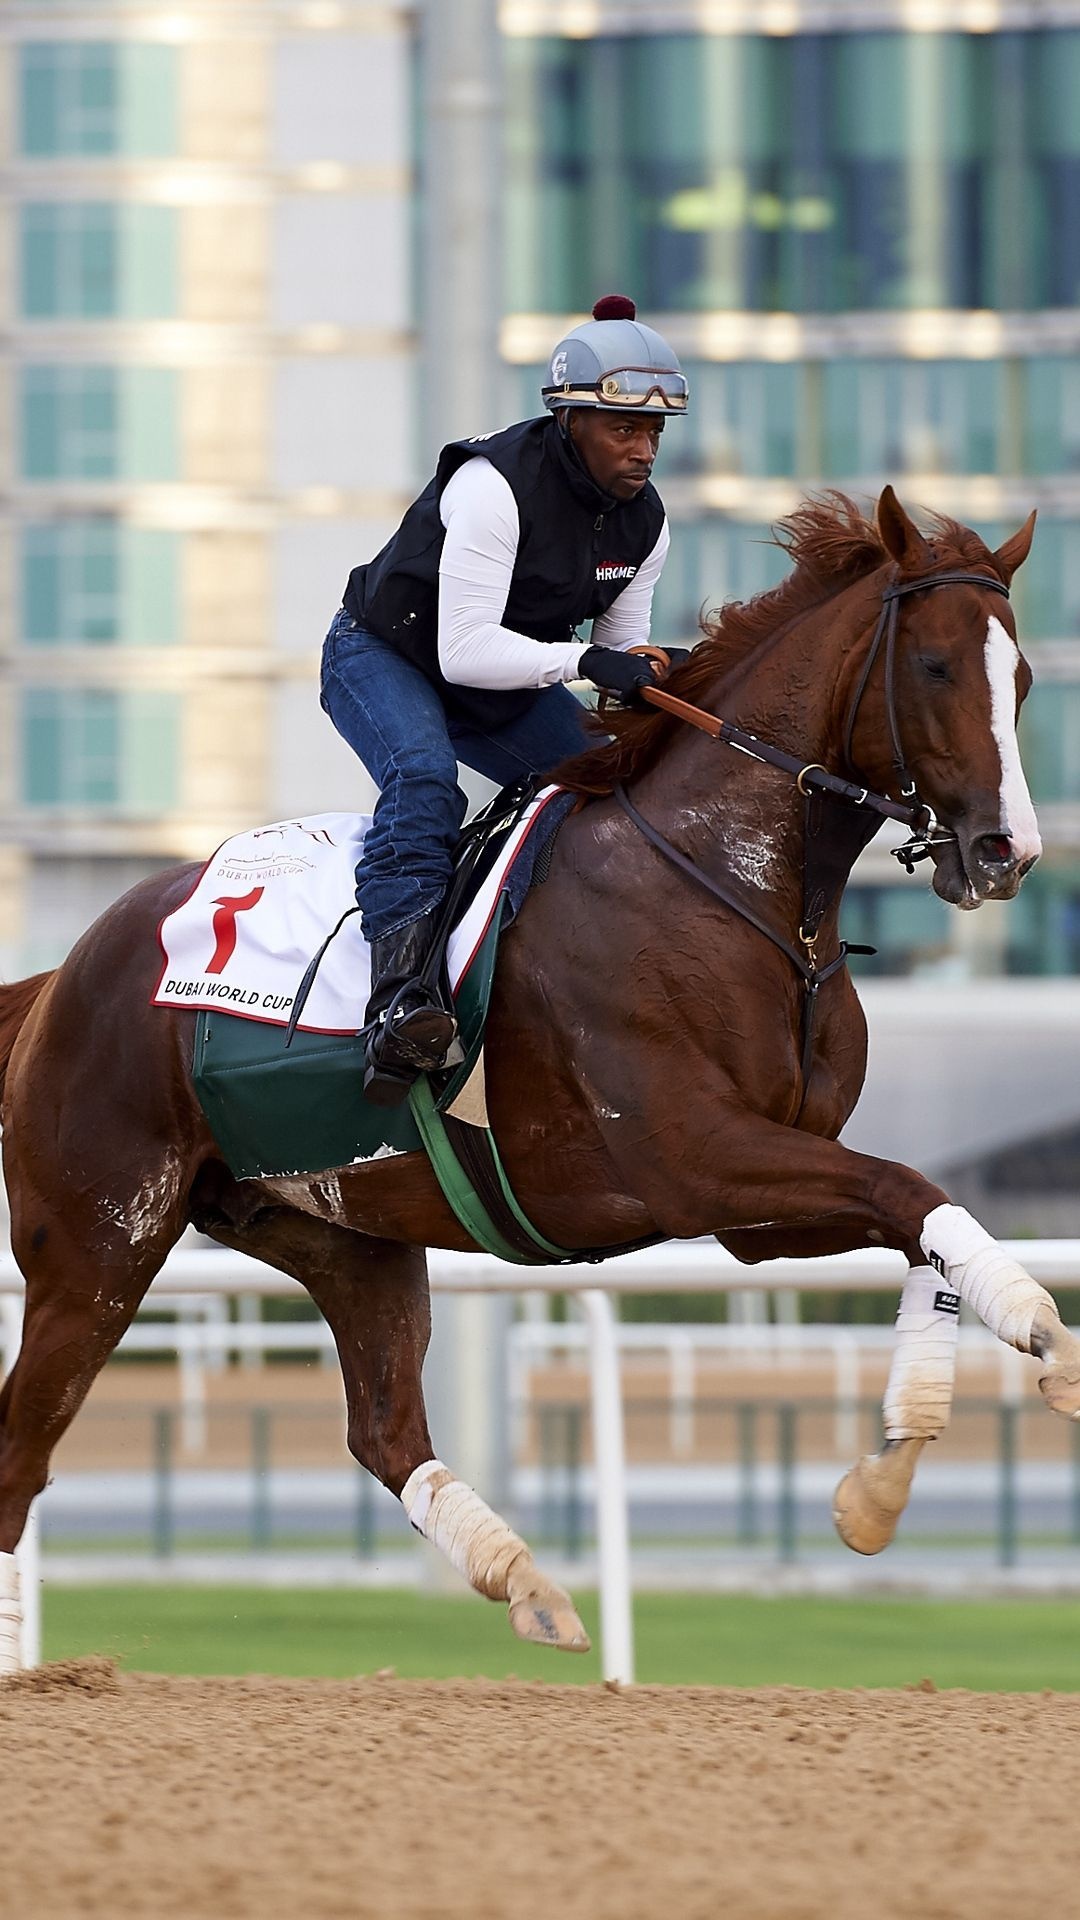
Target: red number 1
[(224, 925)]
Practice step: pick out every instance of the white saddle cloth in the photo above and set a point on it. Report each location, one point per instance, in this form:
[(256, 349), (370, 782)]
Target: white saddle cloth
[(264, 904)]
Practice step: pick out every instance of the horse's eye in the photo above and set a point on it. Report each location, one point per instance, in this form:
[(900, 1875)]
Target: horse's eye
[(935, 668)]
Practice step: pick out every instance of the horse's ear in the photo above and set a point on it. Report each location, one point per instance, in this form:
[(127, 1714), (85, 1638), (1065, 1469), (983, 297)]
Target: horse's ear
[(1012, 553), (900, 534)]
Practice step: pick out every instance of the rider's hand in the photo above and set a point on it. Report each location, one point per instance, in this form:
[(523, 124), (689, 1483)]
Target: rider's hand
[(621, 673)]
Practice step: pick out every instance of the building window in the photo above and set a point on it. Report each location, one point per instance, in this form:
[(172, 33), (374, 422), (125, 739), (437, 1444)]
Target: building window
[(90, 260), (68, 261), (908, 925), (710, 562), (69, 423), (1051, 414), (802, 172), (97, 97), (96, 582), (99, 423), (1046, 591), (1050, 740), (926, 417), (94, 748), (1043, 922)]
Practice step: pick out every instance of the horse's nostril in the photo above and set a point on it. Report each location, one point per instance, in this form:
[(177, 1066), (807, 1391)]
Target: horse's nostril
[(996, 849)]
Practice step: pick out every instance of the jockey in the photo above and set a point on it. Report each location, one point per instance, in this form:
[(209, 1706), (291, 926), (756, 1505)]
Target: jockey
[(456, 642)]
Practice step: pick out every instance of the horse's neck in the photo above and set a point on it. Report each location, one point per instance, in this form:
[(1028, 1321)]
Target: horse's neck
[(793, 688), (731, 813)]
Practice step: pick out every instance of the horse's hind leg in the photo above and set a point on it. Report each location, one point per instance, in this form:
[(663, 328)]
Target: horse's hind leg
[(374, 1295)]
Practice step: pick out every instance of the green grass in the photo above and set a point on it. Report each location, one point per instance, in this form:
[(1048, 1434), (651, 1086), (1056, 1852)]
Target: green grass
[(684, 1639)]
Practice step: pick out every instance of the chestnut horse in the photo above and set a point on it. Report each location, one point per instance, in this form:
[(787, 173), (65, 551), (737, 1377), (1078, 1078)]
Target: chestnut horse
[(648, 1065)]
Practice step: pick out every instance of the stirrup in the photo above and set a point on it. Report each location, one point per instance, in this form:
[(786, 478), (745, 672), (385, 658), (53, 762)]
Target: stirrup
[(384, 1087), (395, 1059)]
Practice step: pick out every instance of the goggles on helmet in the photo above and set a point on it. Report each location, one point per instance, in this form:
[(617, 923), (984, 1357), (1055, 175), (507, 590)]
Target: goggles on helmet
[(661, 389)]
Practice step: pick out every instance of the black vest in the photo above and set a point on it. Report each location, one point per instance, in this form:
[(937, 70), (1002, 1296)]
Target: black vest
[(578, 548)]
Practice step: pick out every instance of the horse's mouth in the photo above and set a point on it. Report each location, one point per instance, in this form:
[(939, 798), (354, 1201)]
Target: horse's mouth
[(972, 868)]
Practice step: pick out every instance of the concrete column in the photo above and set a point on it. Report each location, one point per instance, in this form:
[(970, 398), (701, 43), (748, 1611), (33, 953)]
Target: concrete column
[(460, 294), (460, 305)]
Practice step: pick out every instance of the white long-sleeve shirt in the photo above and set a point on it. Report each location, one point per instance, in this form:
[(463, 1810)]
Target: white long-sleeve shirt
[(480, 514)]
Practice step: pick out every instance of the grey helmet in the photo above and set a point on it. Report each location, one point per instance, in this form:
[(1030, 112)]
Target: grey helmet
[(615, 361)]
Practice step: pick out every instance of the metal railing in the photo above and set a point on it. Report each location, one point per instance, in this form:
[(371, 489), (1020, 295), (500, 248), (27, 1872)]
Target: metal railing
[(276, 1479)]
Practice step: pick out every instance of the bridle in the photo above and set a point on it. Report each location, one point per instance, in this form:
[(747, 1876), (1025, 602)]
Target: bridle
[(929, 834), (814, 781), (909, 809)]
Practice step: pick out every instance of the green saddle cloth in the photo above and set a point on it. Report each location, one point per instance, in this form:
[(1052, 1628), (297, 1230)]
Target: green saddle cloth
[(275, 1110)]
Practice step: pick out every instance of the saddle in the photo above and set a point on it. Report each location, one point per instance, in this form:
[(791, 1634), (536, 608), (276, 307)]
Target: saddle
[(285, 1101)]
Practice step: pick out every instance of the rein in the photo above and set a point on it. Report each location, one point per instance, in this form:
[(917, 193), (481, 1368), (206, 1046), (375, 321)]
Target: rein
[(806, 776), (814, 782)]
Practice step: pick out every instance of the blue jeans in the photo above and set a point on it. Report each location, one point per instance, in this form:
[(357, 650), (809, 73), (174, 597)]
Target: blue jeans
[(394, 719)]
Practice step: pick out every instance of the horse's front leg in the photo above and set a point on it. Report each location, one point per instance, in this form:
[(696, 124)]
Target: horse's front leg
[(374, 1295), (791, 1181), (1007, 1299), (870, 1499), (799, 1185)]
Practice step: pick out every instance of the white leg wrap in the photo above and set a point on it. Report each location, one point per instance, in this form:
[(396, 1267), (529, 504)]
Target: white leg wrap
[(455, 1519), (918, 1397), (10, 1616), (974, 1266)]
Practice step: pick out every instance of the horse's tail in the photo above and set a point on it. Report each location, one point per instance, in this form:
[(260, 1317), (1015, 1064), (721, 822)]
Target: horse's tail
[(15, 1003)]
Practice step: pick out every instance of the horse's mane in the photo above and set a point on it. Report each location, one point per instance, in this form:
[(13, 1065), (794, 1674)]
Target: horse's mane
[(832, 545)]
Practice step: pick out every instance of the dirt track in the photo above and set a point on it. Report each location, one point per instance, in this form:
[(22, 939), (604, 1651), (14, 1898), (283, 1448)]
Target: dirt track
[(410, 1800)]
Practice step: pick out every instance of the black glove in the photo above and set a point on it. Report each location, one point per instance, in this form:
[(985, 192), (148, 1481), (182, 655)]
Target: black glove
[(678, 656), (621, 673)]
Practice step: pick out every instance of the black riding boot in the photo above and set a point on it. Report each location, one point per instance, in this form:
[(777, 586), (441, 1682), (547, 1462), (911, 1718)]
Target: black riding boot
[(410, 1031)]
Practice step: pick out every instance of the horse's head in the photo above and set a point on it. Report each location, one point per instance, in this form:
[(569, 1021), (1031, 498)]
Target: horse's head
[(953, 686)]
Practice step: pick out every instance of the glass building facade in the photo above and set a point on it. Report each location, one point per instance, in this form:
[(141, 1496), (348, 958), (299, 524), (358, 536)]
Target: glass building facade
[(186, 345), (865, 246), (799, 173)]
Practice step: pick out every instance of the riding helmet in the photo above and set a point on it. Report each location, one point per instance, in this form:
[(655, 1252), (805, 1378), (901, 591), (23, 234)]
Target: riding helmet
[(613, 360)]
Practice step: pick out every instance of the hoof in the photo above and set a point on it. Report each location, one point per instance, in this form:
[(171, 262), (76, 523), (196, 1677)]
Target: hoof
[(1060, 1384), (548, 1618), (1060, 1388), (870, 1498)]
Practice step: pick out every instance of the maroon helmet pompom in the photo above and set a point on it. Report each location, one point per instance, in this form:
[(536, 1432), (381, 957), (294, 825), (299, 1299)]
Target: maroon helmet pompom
[(615, 306)]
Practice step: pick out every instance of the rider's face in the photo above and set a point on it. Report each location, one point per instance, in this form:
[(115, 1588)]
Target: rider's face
[(617, 448)]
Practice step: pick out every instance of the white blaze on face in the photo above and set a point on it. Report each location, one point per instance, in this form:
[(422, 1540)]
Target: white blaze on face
[(1017, 812)]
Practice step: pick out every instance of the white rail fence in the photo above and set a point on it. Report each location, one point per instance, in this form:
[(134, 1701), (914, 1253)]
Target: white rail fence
[(203, 1338), (684, 1346), (199, 1283)]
